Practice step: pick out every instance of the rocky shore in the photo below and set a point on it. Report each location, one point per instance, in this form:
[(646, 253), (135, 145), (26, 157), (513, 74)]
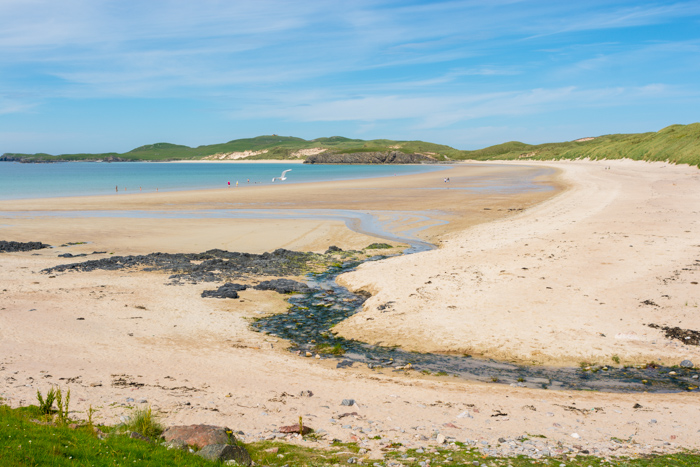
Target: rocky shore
[(392, 157), (11, 246)]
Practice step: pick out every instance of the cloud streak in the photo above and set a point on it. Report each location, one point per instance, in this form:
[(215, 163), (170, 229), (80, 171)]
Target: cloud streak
[(380, 64)]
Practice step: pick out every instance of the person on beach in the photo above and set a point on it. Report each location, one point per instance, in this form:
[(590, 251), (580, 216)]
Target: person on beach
[(236, 183), (229, 184), (117, 188)]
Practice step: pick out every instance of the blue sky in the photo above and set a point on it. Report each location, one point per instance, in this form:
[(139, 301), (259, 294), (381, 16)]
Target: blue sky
[(98, 76)]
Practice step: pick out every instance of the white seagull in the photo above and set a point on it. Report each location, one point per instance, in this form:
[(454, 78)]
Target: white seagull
[(283, 176)]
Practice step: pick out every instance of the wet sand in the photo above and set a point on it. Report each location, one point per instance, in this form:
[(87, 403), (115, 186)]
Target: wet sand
[(197, 361)]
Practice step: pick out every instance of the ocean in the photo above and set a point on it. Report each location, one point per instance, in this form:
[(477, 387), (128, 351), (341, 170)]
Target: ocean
[(22, 181)]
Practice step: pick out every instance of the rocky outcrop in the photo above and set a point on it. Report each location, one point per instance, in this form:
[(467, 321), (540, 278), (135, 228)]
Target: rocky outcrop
[(210, 266), (392, 157), (21, 246)]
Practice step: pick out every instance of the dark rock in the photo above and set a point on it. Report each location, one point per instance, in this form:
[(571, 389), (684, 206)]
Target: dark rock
[(686, 336), (225, 452), (176, 444), (210, 266), (199, 435), (390, 157), (333, 249), (306, 394), (283, 286), (228, 290), (348, 402), (21, 246), (69, 255), (305, 430), (687, 364)]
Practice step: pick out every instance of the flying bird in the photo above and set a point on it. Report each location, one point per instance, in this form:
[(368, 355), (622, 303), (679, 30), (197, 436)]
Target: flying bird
[(283, 176)]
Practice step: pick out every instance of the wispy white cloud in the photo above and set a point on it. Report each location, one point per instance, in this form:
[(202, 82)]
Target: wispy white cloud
[(426, 64), (441, 111)]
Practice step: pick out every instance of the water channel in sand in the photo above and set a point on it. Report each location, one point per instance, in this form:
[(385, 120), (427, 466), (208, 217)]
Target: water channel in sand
[(309, 321)]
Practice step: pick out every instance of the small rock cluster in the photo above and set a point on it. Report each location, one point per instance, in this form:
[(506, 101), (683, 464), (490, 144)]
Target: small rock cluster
[(11, 247)]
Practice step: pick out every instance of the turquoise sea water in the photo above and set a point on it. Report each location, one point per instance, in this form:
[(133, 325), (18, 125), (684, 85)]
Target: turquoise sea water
[(19, 181)]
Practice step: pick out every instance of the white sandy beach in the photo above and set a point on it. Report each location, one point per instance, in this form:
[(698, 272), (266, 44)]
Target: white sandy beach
[(538, 278)]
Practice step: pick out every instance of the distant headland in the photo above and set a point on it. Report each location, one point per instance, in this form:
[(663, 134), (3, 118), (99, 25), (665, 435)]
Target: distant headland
[(678, 144)]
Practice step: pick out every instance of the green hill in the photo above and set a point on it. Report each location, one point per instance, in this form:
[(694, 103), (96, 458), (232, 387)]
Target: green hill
[(677, 144), (262, 147)]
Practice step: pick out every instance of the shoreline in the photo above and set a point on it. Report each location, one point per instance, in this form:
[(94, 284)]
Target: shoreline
[(117, 335), (159, 187)]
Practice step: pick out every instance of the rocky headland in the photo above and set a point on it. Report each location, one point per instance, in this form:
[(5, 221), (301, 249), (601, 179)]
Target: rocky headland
[(391, 157)]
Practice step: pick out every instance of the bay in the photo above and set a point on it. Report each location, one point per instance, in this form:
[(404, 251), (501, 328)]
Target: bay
[(22, 181)]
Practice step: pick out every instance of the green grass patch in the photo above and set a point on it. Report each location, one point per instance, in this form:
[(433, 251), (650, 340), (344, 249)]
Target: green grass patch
[(25, 443), (328, 349), (143, 421), (378, 246)]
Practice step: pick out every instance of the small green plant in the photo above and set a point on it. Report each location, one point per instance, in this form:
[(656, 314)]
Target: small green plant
[(615, 358), (328, 349), (441, 373), (144, 422), (62, 404), (378, 246), (46, 405), (90, 412), (521, 379)]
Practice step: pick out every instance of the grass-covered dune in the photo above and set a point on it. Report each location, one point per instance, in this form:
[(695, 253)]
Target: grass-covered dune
[(267, 147), (678, 144)]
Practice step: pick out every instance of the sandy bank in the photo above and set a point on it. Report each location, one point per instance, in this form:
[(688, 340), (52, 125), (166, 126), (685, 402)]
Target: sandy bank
[(575, 279)]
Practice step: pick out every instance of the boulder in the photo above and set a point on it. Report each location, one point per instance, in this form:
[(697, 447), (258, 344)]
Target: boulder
[(686, 364), (199, 435), (228, 290), (225, 452)]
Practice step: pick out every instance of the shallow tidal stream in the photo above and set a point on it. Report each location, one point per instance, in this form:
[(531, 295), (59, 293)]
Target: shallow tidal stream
[(309, 321)]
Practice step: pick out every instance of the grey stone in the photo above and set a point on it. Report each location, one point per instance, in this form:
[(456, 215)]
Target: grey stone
[(225, 452), (348, 402), (687, 364), (176, 444)]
